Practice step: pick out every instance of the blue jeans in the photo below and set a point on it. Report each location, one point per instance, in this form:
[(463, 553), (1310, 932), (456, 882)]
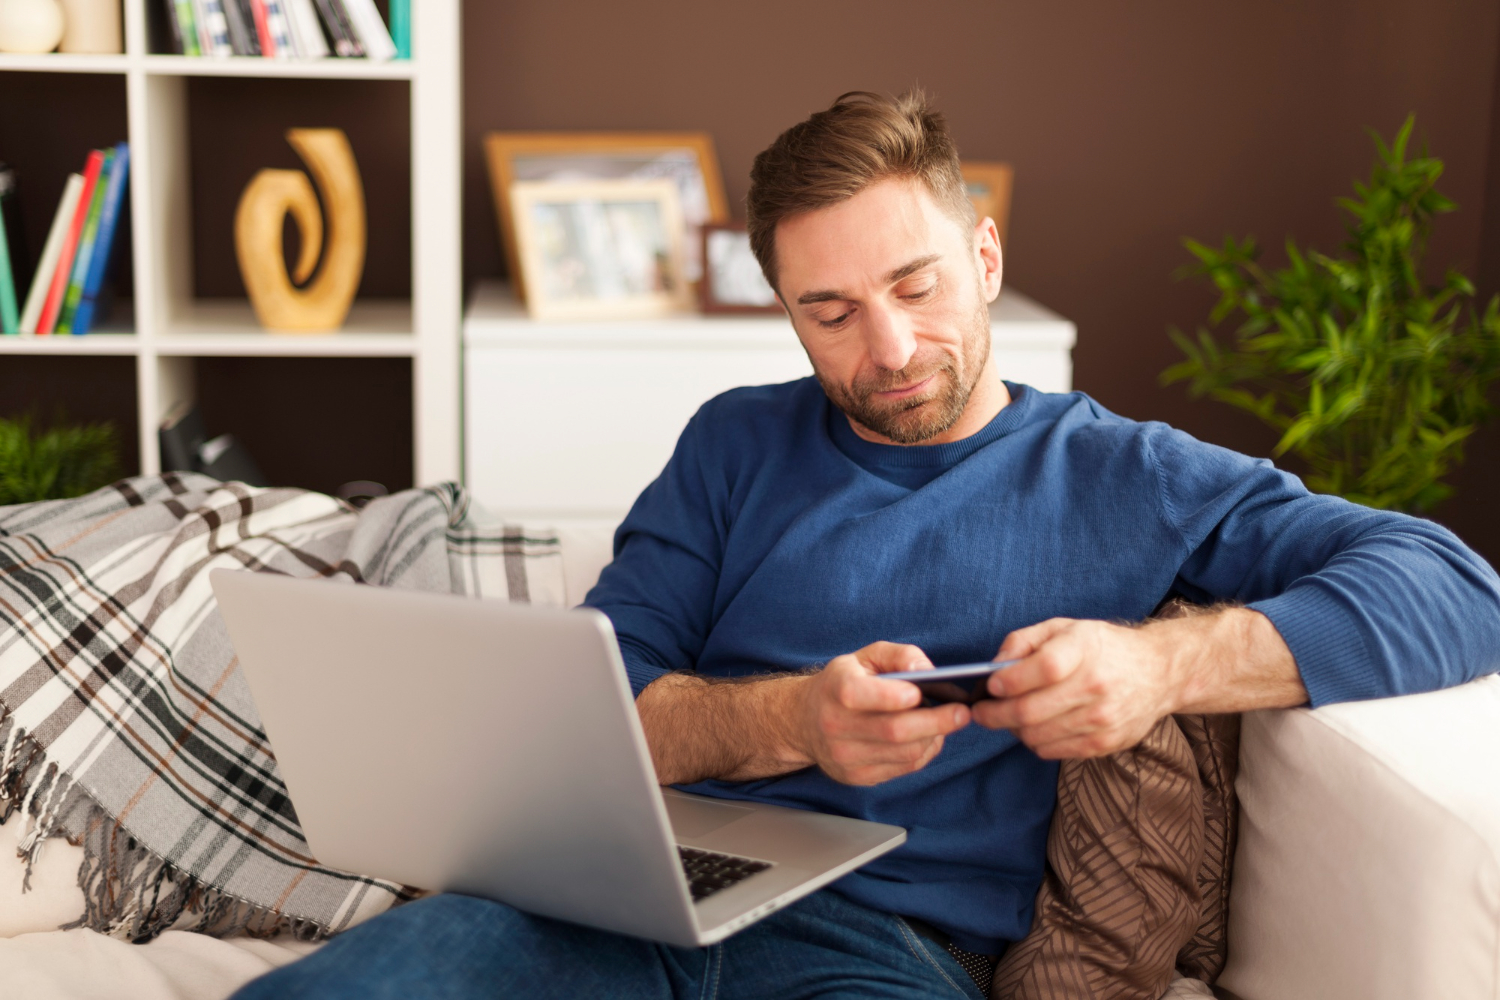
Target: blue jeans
[(462, 947)]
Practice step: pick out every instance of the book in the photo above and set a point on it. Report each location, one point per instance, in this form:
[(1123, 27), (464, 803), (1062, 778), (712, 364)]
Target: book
[(336, 22), (280, 32), (241, 22), (187, 27), (306, 33), (10, 317), (41, 282), (262, 28), (200, 23), (216, 28), (99, 261), (59, 281), (85, 252), (172, 23), (15, 232), (372, 31), (400, 11)]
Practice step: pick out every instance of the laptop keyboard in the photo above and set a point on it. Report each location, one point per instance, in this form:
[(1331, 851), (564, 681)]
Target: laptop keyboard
[(708, 872)]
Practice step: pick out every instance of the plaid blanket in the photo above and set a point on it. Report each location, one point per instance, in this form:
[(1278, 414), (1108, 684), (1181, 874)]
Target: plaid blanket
[(125, 723)]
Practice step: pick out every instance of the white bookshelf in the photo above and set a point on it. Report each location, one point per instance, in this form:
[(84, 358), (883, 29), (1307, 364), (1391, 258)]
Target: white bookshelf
[(171, 327)]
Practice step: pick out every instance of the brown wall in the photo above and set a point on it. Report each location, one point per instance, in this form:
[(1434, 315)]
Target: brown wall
[(1130, 126)]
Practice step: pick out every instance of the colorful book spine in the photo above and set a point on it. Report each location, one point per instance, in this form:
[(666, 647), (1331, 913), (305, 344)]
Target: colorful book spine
[(281, 36), (401, 27), (306, 34), (10, 212), (175, 25), (242, 34), (336, 20), (53, 306), (262, 28), (10, 316), (85, 254), (187, 27), (41, 282), (104, 242), (216, 28), (371, 29)]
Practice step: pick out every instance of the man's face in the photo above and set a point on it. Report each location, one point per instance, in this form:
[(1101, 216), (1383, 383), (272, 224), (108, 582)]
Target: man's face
[(890, 296)]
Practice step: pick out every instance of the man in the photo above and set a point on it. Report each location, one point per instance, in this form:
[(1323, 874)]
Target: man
[(911, 506)]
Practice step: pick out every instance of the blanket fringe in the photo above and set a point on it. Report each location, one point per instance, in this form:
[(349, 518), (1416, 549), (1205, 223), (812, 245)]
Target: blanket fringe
[(128, 892)]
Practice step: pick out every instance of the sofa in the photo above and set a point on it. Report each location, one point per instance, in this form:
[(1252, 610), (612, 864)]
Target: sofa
[(1367, 867)]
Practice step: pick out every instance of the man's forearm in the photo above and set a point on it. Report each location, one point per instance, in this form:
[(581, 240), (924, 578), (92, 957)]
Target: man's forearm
[(1228, 660), (736, 730)]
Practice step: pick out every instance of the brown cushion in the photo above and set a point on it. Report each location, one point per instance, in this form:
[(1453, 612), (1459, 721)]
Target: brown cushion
[(1121, 894), (1215, 740)]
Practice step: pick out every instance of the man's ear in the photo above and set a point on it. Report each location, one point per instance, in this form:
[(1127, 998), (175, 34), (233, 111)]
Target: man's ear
[(988, 258)]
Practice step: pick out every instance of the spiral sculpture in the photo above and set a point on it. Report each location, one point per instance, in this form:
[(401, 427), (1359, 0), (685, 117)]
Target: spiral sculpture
[(298, 302)]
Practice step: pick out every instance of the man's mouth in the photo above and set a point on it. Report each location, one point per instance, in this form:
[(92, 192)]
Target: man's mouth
[(906, 392)]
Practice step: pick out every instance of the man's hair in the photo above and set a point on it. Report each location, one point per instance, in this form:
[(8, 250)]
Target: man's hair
[(834, 155)]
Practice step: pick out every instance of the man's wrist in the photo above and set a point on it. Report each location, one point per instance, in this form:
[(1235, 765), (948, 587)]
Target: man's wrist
[(1227, 659), (699, 728)]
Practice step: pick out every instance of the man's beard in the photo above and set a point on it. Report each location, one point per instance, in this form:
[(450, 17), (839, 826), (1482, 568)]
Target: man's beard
[(922, 417)]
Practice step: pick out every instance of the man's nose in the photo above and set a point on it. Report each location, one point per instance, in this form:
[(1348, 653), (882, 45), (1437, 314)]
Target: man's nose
[(889, 338)]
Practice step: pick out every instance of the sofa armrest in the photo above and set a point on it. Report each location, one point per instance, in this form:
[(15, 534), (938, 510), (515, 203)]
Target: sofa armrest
[(1368, 864)]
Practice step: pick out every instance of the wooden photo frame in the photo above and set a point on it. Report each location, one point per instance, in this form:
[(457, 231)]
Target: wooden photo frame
[(989, 187), (732, 279), (600, 249), (514, 157)]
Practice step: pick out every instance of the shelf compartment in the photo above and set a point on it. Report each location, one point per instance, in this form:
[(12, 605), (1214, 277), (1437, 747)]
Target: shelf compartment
[(313, 422), (74, 390)]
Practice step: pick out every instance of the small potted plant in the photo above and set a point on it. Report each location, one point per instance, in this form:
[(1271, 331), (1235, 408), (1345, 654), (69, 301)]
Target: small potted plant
[(55, 464), (1374, 379)]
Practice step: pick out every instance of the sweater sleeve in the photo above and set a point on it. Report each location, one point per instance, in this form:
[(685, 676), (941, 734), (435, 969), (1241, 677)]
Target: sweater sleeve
[(1371, 603), (659, 590)]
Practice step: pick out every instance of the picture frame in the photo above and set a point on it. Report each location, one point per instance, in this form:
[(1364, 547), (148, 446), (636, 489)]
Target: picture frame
[(732, 280), (687, 157), (609, 249), (989, 187)]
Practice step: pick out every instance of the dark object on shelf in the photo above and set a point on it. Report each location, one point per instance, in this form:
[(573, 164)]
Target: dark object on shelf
[(186, 447), (362, 491), (55, 464)]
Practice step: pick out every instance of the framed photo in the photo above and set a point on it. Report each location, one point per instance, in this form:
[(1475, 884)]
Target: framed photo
[(600, 249), (686, 158), (989, 189), (732, 279)]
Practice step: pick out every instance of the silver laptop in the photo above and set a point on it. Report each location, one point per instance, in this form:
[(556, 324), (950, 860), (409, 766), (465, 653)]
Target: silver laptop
[(493, 749)]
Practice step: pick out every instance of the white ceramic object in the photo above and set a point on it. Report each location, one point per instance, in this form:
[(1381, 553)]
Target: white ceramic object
[(30, 25), (91, 26)]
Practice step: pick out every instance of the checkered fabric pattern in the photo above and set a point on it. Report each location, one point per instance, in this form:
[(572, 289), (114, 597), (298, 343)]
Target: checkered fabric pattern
[(125, 723)]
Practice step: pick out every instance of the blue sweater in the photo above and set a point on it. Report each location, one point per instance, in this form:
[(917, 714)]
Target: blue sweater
[(776, 539)]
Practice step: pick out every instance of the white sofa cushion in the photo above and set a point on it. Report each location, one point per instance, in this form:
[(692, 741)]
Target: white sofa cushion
[(1369, 855)]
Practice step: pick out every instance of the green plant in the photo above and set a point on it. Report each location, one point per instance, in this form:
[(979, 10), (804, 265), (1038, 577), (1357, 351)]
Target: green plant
[(54, 464), (1374, 380)]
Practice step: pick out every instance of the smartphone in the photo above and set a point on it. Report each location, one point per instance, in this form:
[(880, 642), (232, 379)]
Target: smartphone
[(963, 682)]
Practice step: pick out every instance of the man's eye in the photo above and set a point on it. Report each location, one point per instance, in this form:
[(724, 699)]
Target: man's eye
[(834, 321), (918, 296)]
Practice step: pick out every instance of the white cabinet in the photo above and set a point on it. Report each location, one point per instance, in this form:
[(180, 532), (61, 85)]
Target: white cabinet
[(574, 419)]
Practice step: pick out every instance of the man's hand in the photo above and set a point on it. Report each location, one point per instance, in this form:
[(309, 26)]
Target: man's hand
[(859, 729), (862, 730), (1089, 688)]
